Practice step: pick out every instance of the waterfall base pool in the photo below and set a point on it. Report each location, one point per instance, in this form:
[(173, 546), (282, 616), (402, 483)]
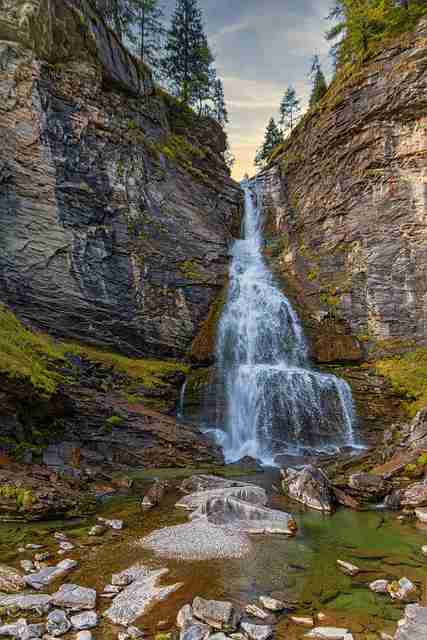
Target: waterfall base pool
[(302, 570)]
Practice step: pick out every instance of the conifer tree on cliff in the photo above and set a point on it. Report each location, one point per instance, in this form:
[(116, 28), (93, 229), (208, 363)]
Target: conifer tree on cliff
[(147, 35), (318, 80), (220, 110), (273, 137), (187, 58), (289, 109)]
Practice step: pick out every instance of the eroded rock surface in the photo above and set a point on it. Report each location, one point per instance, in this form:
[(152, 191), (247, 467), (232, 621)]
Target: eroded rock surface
[(310, 486)]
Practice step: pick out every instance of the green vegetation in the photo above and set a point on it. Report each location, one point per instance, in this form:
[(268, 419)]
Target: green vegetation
[(408, 376), (362, 25), (23, 497), (272, 138), (115, 421), (203, 346), (33, 358)]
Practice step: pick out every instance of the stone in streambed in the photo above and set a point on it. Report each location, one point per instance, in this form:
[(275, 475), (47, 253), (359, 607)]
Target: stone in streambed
[(85, 620), (11, 581), (57, 623), (256, 612), (115, 524), (184, 617), (309, 486), (414, 625), (197, 631), (197, 502), (304, 621), (404, 589), (45, 576), (367, 485), (154, 495), (257, 631), (249, 518), (205, 482), (379, 586), (140, 596), (74, 597), (217, 614), (22, 630), (327, 633), (37, 603), (421, 515), (348, 568), (272, 604), (84, 635)]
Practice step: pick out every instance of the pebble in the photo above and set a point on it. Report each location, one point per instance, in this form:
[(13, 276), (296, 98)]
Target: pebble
[(85, 620), (41, 557), (74, 597), (424, 550), (379, 586), (113, 524), (65, 545), (59, 536), (303, 621), (328, 633), (34, 546), (272, 604), (348, 568)]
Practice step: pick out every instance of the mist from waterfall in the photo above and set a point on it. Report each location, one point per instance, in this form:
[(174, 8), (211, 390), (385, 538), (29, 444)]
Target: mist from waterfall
[(268, 398)]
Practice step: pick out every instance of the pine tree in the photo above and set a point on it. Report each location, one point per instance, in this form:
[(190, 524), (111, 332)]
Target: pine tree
[(147, 34), (318, 80), (187, 59), (289, 109), (220, 110), (273, 137)]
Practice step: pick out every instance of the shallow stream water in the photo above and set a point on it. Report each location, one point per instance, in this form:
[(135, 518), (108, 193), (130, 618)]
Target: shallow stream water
[(301, 569)]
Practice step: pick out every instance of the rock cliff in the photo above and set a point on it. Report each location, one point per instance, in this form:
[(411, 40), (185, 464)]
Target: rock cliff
[(347, 218), (116, 206)]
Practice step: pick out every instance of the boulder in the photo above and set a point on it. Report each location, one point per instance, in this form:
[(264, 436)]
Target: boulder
[(414, 496), (47, 575), (140, 596), (310, 486), (57, 623), (84, 620), (197, 502), (257, 631), (217, 614), (367, 485), (414, 625), (250, 518), (11, 581), (37, 603), (196, 631), (74, 597)]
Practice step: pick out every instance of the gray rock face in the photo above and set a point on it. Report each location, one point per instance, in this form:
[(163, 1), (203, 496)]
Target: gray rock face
[(57, 623), (217, 614), (414, 625), (138, 598), (418, 430), (310, 486), (74, 597), (115, 229)]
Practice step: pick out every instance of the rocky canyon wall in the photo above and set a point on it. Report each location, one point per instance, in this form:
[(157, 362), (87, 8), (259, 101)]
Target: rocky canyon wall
[(116, 206)]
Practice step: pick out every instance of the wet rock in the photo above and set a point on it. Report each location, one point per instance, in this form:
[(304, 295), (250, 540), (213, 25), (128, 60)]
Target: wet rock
[(196, 631), (117, 525), (310, 486), (217, 614), (404, 589), (414, 625), (249, 518), (57, 623), (85, 620), (197, 502), (140, 596), (379, 586), (348, 568), (304, 621), (256, 612), (97, 530), (84, 635), (257, 631), (37, 603), (421, 515), (11, 581), (184, 617), (44, 577), (74, 597), (414, 496), (345, 500), (327, 633), (203, 482), (154, 495), (367, 485), (272, 604)]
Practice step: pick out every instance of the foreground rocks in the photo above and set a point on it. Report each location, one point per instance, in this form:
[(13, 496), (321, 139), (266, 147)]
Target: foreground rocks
[(414, 625), (310, 486)]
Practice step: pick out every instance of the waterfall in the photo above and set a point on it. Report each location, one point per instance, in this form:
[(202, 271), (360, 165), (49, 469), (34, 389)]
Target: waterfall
[(268, 398)]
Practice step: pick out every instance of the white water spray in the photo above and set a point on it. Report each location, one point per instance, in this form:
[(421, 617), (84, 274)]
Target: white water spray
[(274, 402)]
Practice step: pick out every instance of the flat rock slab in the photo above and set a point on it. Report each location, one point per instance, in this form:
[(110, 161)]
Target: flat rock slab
[(26, 602), (139, 597), (197, 501), (327, 633), (45, 576), (414, 625), (198, 540), (74, 597)]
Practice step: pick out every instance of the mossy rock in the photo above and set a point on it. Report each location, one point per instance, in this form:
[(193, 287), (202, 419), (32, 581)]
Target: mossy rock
[(203, 346)]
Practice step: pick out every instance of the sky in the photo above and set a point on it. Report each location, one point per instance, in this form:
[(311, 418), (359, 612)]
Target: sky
[(261, 47)]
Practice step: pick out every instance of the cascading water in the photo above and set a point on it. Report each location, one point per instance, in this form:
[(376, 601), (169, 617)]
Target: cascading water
[(268, 399)]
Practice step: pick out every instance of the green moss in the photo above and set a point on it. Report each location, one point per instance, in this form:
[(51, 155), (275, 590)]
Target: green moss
[(189, 269), (408, 376), (313, 274), (203, 346), (22, 496), (115, 421)]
